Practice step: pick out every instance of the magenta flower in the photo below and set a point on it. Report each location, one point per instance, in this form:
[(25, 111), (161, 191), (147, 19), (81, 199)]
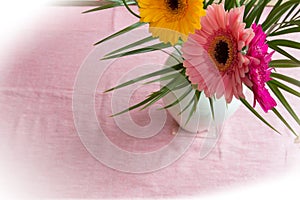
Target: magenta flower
[(259, 70)]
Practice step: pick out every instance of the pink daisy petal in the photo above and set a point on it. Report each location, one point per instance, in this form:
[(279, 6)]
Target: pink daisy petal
[(220, 69)]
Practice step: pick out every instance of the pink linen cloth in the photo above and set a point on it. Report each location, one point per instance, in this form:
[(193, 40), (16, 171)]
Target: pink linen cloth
[(42, 155)]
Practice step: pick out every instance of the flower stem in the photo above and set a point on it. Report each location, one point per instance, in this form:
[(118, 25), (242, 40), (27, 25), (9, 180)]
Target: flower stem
[(126, 5)]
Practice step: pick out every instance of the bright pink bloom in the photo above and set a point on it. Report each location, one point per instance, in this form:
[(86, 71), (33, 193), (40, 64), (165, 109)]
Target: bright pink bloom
[(260, 71), (213, 55)]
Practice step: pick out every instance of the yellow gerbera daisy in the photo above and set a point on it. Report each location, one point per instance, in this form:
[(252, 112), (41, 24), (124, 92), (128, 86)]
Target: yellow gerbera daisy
[(171, 19)]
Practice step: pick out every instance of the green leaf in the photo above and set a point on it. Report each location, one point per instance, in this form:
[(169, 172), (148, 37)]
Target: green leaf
[(285, 31), (242, 2), (182, 85), (211, 103), (195, 100), (136, 105), (256, 12), (175, 84), (129, 9), (109, 4), (173, 55), (188, 105), (286, 78), (295, 22), (284, 102), (183, 96), (277, 12), (285, 43), (141, 78), (248, 7), (260, 11), (125, 30), (207, 4), (296, 15), (165, 78), (157, 98), (284, 121), (245, 102), (283, 52), (137, 43), (284, 87), (277, 4), (289, 13), (152, 98), (147, 49), (229, 4), (284, 63)]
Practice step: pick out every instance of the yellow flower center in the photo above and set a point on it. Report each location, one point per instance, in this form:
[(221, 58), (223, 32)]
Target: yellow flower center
[(221, 50)]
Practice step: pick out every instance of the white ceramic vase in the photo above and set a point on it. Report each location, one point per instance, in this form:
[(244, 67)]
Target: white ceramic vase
[(202, 118)]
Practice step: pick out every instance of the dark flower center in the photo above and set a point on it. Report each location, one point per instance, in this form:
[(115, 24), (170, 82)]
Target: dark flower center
[(173, 4), (221, 52)]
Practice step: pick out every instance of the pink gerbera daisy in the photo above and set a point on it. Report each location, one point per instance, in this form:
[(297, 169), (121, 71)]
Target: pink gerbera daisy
[(260, 71), (213, 55)]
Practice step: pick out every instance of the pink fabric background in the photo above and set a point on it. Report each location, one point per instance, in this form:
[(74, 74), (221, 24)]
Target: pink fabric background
[(43, 156)]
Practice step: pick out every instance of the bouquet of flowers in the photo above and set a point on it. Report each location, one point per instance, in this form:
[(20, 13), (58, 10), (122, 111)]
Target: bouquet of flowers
[(223, 47)]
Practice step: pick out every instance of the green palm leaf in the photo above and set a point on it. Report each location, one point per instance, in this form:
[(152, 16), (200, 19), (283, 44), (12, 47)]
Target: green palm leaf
[(245, 102), (284, 102), (193, 110), (147, 49), (256, 12), (275, 111), (109, 4), (285, 31), (283, 52), (137, 43), (183, 96), (286, 79), (284, 87), (277, 12), (285, 43), (125, 30), (147, 76), (283, 63)]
